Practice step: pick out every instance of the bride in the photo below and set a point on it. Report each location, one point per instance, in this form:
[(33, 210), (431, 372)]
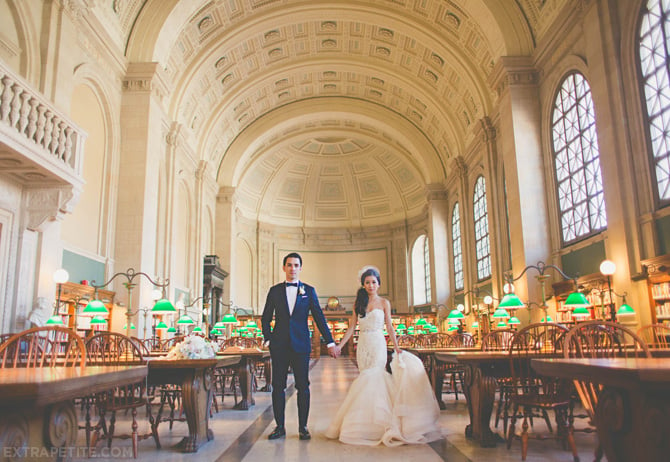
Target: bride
[(382, 408)]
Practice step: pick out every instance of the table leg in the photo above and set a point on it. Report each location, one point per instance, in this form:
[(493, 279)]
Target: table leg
[(196, 392), (633, 424), (479, 391), (47, 434), (267, 368), (437, 379), (246, 380)]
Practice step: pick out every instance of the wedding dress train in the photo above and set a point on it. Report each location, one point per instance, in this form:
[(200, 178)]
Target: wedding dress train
[(394, 409)]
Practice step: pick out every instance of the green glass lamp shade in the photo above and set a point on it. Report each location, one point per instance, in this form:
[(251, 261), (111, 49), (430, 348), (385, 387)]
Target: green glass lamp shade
[(219, 325), (401, 326), (98, 320), (252, 324), (172, 329), (186, 319), (215, 332), (455, 314), (549, 319), (501, 325), (452, 329), (420, 322), (197, 329), (475, 325), (581, 312), (229, 318), (161, 325), (433, 329), (511, 302), (163, 306), (453, 322), (95, 307), (500, 313), (55, 321), (625, 310), (513, 321), (132, 326), (576, 299)]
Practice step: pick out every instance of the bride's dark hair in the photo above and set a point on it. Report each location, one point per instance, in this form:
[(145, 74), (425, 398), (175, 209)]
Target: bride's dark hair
[(361, 304)]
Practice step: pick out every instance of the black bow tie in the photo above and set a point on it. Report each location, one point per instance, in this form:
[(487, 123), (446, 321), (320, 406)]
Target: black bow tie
[(291, 284)]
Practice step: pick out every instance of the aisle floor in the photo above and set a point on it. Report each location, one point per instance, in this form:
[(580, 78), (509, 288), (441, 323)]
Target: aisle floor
[(242, 435)]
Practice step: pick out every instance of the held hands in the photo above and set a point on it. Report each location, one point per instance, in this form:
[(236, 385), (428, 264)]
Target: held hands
[(334, 351)]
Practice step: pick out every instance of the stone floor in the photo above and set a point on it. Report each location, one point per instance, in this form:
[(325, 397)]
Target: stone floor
[(242, 435)]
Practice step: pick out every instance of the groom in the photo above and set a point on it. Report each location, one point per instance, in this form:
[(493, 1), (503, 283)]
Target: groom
[(290, 303)]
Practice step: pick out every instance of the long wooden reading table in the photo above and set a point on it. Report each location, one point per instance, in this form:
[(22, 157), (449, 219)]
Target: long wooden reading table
[(37, 416), (633, 408)]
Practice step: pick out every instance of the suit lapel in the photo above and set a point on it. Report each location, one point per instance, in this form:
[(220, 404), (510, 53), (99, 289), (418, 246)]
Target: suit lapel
[(297, 300)]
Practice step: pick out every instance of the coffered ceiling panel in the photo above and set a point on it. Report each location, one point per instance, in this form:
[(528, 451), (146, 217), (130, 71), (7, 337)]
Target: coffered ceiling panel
[(330, 113)]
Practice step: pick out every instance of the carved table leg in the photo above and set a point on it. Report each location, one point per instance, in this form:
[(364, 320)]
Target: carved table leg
[(633, 424), (196, 392), (436, 378), (246, 380), (479, 391), (267, 369), (45, 434)]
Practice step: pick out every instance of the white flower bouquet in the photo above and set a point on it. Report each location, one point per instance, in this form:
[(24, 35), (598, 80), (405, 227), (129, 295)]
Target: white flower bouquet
[(193, 347)]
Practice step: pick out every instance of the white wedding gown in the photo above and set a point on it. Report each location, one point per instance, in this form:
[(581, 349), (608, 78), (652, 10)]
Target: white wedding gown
[(382, 408)]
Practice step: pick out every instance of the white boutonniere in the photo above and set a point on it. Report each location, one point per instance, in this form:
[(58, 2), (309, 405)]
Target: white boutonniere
[(301, 290)]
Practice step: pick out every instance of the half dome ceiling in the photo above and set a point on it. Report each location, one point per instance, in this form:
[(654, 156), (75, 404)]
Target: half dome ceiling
[(331, 181), (252, 82)]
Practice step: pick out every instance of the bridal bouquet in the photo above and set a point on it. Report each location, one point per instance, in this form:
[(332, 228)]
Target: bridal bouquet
[(193, 347)]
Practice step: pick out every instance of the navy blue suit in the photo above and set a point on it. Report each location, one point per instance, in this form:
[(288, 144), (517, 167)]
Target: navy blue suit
[(290, 344)]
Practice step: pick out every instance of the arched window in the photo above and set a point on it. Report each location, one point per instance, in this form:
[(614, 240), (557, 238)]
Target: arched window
[(421, 271), (577, 160), (654, 39), (482, 243), (457, 247)]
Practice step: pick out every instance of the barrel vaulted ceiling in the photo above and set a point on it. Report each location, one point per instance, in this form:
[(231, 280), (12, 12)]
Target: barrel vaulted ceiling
[(330, 113)]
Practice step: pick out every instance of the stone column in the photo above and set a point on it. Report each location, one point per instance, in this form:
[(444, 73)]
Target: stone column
[(141, 175), (516, 82), (439, 224), (225, 236)]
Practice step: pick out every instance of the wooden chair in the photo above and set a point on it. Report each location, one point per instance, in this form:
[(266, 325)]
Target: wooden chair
[(656, 336), (463, 340), (453, 373), (146, 352), (601, 339), (500, 340), (110, 348), (46, 346), (166, 344), (533, 395)]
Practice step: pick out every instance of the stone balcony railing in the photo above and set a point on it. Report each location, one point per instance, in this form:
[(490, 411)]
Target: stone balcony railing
[(37, 135)]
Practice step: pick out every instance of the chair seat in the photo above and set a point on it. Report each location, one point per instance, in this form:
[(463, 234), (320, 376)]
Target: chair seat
[(544, 401)]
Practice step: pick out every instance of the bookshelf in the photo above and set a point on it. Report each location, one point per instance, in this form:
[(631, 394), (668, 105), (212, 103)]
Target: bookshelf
[(658, 282), (74, 298)]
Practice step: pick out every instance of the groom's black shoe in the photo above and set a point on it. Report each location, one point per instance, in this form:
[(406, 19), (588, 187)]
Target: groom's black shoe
[(304, 434), (278, 432)]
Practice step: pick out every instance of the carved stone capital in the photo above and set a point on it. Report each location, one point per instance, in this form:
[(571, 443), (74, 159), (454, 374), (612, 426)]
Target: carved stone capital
[(146, 77), (459, 166), (513, 71), (226, 195), (51, 204), (488, 130), (436, 193)]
